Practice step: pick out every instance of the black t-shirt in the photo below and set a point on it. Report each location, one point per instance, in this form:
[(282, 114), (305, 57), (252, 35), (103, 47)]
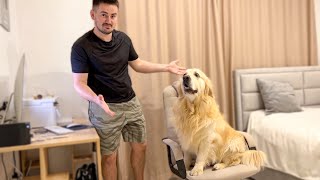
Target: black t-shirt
[(106, 64)]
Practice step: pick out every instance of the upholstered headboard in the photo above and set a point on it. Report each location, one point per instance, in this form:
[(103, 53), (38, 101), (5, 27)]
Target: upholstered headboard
[(305, 81)]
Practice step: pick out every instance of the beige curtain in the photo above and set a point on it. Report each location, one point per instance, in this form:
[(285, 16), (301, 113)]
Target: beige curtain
[(216, 36)]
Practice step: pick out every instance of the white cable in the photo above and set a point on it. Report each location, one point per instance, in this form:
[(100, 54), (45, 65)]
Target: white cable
[(29, 167), (20, 174)]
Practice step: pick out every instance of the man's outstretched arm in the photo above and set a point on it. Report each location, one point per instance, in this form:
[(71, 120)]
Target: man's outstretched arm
[(147, 67), (80, 85)]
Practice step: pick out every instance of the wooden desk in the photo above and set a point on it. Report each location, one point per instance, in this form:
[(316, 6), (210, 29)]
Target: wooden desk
[(77, 137)]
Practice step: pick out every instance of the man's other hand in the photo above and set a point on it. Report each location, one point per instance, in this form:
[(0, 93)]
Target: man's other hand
[(104, 105)]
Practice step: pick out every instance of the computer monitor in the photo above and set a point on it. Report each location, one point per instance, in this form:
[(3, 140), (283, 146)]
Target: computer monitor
[(19, 89), (17, 94)]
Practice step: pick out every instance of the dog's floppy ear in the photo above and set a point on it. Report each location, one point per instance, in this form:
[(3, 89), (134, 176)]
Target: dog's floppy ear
[(179, 89), (209, 88)]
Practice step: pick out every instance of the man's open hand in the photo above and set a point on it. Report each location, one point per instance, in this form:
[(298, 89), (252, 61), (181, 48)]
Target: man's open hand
[(104, 105), (175, 69)]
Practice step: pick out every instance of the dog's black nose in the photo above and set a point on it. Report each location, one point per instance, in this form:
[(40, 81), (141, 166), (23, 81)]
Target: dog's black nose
[(186, 78)]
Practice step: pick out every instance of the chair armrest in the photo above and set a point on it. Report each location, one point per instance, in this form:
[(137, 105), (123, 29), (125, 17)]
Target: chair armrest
[(249, 140), (174, 149)]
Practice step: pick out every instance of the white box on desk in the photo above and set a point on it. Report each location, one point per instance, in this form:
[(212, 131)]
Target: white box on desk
[(39, 112)]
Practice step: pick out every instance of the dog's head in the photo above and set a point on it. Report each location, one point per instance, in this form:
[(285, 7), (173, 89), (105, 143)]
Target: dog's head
[(194, 83)]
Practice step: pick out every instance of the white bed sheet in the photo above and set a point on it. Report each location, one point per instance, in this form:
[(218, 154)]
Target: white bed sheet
[(290, 140)]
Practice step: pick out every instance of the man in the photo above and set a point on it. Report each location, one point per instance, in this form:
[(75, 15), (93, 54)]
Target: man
[(100, 60)]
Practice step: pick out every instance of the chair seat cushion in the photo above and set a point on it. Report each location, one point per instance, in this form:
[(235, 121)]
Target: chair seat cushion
[(231, 173)]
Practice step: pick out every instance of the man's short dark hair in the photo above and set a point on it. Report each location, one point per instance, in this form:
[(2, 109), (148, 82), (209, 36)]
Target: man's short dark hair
[(112, 2)]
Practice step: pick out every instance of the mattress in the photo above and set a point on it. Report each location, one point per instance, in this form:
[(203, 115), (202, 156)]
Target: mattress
[(291, 141)]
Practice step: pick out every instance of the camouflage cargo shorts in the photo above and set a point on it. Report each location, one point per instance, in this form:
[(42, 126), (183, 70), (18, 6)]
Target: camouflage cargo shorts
[(128, 121)]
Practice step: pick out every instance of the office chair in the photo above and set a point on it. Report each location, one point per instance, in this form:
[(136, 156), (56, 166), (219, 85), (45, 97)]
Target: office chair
[(175, 153)]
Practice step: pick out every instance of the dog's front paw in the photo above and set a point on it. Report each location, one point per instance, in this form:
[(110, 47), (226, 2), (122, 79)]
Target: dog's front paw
[(219, 166), (196, 171)]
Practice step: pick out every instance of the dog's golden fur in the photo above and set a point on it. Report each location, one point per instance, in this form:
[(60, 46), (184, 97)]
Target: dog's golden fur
[(203, 131)]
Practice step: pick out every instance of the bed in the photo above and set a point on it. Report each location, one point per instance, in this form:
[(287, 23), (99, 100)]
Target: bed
[(291, 139)]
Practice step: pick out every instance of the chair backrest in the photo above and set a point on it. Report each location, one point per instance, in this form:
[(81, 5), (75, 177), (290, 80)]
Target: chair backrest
[(170, 96)]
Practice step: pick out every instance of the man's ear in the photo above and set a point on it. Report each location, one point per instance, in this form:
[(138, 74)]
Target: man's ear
[(92, 14)]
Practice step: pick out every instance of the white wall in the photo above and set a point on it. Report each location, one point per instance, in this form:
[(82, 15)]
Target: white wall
[(47, 30), (4, 68), (8, 52)]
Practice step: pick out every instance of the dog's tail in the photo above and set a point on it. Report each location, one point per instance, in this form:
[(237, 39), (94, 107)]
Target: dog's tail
[(253, 158)]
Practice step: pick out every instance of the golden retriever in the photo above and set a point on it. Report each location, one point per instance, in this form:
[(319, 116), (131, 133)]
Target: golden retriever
[(202, 130)]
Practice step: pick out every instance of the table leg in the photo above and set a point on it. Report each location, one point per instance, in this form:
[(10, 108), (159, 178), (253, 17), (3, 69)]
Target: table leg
[(43, 156), (99, 159)]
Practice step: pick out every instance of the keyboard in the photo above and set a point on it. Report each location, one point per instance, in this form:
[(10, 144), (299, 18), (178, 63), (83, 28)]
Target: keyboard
[(58, 129)]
